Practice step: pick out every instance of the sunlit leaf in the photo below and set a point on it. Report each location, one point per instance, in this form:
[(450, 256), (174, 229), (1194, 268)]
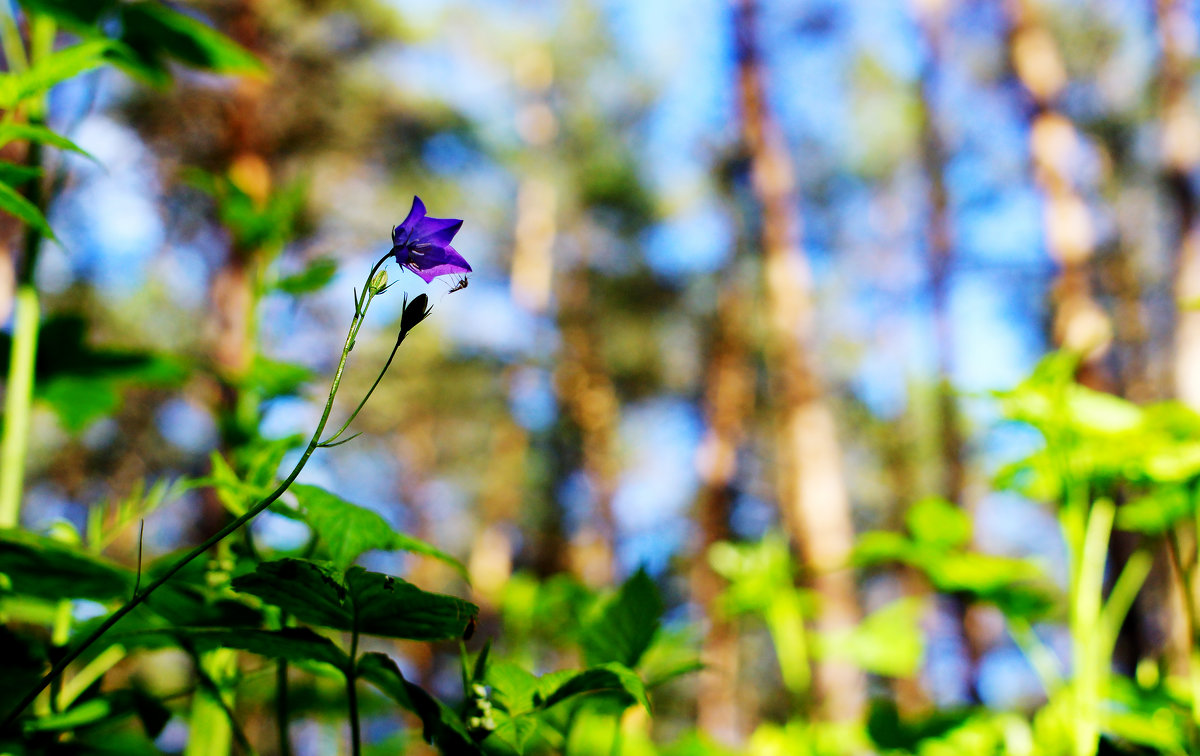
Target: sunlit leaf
[(315, 277), (347, 530), (622, 628), (939, 524), (11, 132)]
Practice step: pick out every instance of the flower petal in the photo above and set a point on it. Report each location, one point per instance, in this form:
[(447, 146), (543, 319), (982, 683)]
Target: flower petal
[(438, 262), (439, 231), (409, 224)]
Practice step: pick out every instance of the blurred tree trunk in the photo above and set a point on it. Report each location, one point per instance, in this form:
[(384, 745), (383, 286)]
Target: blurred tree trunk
[(1179, 144), (591, 400), (729, 398), (812, 493), (1079, 323), (930, 16)]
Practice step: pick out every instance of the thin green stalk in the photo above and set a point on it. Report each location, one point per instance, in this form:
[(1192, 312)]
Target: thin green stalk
[(281, 707), (18, 399), (14, 443), (57, 670), (352, 693)]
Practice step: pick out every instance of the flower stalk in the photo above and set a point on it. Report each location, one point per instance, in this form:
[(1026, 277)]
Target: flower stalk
[(362, 303)]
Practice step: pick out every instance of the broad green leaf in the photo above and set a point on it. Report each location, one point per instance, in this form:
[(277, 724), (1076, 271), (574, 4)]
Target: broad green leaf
[(315, 277), (442, 727), (881, 547), (273, 378), (294, 644), (11, 132), (108, 708), (14, 175), (1157, 511), (14, 204), (513, 688), (372, 603), (606, 678), (938, 523), (347, 530), (81, 382), (80, 400), (46, 568), (888, 642), (622, 628)]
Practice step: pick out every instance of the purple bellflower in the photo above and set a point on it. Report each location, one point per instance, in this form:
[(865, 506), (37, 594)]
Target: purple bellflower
[(422, 244)]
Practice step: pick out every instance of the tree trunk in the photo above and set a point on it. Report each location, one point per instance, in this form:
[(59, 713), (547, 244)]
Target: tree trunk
[(808, 460)]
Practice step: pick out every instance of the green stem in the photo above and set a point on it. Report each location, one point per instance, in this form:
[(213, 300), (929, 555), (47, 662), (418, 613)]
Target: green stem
[(330, 441), (281, 707), (17, 400), (56, 671), (352, 692)]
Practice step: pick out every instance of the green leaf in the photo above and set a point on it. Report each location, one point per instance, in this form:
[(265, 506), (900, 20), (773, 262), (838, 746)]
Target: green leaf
[(50, 569), (1155, 512), (80, 400), (938, 523), (606, 678), (23, 210), (372, 603), (347, 530), (294, 644), (51, 70), (442, 727), (273, 378), (154, 30), (10, 132), (888, 642), (621, 630), (315, 277), (14, 175)]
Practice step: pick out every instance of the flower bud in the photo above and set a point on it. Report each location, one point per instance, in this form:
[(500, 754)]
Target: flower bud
[(379, 282), (414, 312)]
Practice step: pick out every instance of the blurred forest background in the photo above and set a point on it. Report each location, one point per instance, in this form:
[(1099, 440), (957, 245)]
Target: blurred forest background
[(762, 302)]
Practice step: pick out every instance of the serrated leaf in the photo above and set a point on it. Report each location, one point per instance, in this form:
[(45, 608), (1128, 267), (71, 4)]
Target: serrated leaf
[(622, 629), (347, 530), (23, 210), (372, 603), (50, 569), (606, 678), (442, 727), (315, 277)]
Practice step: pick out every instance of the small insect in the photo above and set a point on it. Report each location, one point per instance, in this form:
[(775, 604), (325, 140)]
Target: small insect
[(462, 284)]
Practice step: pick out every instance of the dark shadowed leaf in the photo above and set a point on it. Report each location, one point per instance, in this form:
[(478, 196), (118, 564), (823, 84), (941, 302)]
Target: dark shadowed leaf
[(623, 627), (294, 644), (607, 678), (374, 603), (42, 567), (442, 727), (16, 175)]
